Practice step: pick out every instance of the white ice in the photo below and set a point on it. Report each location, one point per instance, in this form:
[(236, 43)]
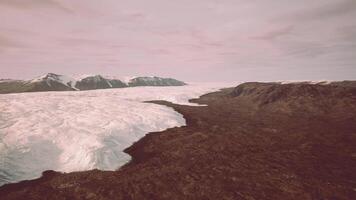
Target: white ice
[(81, 130)]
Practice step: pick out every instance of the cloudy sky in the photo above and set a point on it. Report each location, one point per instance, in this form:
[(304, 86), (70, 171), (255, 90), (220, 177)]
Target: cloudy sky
[(192, 40)]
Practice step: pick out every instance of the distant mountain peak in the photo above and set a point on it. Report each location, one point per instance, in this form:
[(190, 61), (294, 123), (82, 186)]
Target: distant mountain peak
[(154, 81), (57, 82)]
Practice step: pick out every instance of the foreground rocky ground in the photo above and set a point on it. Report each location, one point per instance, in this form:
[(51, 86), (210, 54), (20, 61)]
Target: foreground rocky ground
[(255, 141)]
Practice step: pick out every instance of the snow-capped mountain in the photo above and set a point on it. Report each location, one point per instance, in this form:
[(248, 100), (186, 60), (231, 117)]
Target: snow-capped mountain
[(6, 80), (52, 78), (154, 81), (98, 82), (55, 82), (48, 82)]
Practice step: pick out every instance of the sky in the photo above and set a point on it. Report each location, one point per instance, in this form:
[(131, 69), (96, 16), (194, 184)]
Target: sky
[(191, 40)]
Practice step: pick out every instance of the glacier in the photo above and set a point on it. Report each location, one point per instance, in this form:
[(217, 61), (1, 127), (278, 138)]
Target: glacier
[(76, 131)]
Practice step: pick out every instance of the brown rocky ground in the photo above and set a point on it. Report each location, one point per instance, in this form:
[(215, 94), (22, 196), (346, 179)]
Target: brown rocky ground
[(256, 141)]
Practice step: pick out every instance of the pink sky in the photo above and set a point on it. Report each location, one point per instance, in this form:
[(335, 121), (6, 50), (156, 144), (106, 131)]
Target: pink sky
[(200, 40)]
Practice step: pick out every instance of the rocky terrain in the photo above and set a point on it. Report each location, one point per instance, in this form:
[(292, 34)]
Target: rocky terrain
[(55, 82), (255, 141)]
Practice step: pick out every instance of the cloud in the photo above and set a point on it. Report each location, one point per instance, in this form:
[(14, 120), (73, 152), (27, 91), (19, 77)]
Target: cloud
[(272, 35), (326, 11), (6, 42), (172, 37), (347, 33), (305, 50), (83, 42), (33, 4)]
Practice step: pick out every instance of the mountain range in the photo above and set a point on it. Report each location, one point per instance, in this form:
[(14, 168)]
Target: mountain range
[(56, 82)]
